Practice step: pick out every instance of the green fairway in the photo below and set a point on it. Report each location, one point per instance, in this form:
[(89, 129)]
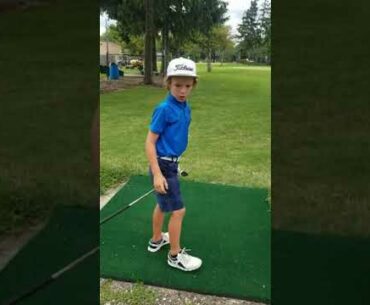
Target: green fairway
[(229, 135), (227, 226)]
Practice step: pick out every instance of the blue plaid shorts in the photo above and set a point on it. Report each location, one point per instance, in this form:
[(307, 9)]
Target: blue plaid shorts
[(171, 201)]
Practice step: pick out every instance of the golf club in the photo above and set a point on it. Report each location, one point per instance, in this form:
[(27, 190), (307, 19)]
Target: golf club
[(57, 274), (68, 267), (126, 207), (50, 279), (182, 172)]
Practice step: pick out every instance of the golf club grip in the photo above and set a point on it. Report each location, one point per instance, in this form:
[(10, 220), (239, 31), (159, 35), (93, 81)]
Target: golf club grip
[(126, 207), (29, 292), (55, 275)]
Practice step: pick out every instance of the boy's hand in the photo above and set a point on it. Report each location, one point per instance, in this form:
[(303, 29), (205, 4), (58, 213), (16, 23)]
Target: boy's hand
[(160, 184)]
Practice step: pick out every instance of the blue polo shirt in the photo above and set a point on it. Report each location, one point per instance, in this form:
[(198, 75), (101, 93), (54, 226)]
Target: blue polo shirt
[(171, 120)]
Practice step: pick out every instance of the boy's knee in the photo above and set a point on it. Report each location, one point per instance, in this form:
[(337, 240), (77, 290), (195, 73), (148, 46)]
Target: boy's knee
[(179, 213)]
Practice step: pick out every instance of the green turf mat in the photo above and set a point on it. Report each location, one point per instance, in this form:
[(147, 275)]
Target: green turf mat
[(69, 234), (330, 269), (228, 227)]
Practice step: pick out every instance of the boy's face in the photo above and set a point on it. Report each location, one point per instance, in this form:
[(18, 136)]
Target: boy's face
[(180, 87)]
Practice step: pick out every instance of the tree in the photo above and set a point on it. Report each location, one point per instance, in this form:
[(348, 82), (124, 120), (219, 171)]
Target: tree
[(149, 37), (131, 20), (255, 33), (112, 34), (249, 31), (222, 42), (170, 18), (212, 46), (129, 15), (183, 19), (207, 14), (135, 45), (265, 24), (192, 50)]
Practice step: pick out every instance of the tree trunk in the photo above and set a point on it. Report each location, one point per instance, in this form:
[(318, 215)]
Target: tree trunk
[(209, 67), (148, 65), (107, 57), (164, 49), (154, 56)]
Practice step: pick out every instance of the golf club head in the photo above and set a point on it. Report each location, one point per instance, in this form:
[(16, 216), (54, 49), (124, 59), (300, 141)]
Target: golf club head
[(181, 172)]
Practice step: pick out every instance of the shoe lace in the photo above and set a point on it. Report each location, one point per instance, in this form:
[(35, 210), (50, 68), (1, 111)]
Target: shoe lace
[(185, 256)]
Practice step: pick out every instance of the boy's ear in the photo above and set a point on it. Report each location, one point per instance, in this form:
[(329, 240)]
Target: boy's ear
[(195, 82), (167, 82)]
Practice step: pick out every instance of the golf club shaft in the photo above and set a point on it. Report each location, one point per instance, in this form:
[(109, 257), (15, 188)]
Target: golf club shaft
[(126, 207), (51, 278), (57, 274)]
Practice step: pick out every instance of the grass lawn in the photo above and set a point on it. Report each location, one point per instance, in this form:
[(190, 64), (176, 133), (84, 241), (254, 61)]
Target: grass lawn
[(229, 141), (138, 295)]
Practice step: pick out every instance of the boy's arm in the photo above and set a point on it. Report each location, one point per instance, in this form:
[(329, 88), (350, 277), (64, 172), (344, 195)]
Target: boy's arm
[(160, 183)]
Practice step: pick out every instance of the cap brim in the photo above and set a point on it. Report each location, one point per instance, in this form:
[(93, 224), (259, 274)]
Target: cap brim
[(182, 74)]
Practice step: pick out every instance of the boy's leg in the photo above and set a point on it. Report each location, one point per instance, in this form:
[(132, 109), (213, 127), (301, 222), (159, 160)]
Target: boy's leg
[(174, 230), (158, 218)]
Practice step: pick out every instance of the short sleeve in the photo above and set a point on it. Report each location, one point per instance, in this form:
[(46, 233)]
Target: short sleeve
[(158, 120)]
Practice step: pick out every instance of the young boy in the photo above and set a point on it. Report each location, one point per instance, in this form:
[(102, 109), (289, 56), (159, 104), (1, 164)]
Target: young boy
[(166, 141)]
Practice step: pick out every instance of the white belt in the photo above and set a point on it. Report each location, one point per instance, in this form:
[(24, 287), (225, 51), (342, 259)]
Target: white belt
[(172, 159)]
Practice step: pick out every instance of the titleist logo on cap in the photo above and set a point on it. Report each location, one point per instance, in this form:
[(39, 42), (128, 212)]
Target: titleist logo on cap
[(183, 67)]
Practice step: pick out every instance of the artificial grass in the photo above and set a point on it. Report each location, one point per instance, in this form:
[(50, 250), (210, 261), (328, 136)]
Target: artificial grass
[(57, 245), (228, 227)]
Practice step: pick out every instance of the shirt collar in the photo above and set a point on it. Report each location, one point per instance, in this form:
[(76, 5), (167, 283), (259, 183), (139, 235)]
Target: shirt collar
[(174, 101)]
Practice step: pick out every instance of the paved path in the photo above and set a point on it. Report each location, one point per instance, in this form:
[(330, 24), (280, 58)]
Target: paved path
[(104, 199)]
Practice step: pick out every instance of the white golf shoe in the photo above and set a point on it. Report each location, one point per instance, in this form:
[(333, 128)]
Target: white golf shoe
[(154, 247), (184, 261)]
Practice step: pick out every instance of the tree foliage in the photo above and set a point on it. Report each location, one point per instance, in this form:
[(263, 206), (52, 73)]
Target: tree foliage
[(175, 21), (149, 39), (218, 45), (265, 23), (222, 38), (134, 46), (207, 15), (255, 32), (249, 31), (112, 34)]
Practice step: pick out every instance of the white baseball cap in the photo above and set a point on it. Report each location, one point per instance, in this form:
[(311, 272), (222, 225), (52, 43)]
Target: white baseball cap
[(182, 67)]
